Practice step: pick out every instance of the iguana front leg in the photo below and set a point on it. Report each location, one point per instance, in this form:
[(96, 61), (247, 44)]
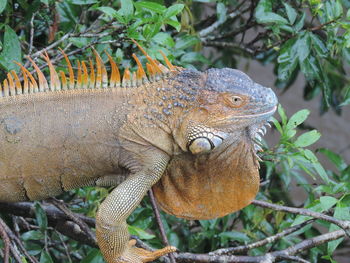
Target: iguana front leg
[(111, 228)]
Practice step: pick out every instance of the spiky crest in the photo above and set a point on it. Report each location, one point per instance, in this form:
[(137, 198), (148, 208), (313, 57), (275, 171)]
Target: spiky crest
[(86, 76)]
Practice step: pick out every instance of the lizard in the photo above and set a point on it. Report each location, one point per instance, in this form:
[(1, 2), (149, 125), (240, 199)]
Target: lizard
[(189, 135)]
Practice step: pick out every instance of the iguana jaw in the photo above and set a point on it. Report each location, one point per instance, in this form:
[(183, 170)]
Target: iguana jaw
[(258, 116)]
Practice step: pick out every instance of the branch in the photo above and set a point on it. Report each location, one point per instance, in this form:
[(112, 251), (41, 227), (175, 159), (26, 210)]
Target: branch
[(302, 211), (260, 243), (74, 217), (160, 223), (31, 33), (287, 253), (58, 220), (14, 251), (206, 31), (224, 44), (6, 240)]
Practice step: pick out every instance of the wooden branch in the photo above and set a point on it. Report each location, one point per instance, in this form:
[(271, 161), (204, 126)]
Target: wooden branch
[(160, 223), (73, 217), (289, 253), (206, 31), (344, 224), (260, 243), (26, 209), (6, 240)]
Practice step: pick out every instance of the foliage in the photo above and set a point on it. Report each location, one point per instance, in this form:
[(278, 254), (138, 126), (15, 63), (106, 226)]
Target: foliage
[(311, 37)]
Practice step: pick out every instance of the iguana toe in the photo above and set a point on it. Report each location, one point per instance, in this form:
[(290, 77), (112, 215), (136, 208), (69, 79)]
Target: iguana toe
[(134, 254)]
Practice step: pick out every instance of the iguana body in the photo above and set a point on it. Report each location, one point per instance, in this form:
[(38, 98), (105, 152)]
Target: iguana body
[(193, 130)]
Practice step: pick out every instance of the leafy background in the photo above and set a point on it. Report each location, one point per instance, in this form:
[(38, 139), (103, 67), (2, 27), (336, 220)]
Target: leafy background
[(309, 38)]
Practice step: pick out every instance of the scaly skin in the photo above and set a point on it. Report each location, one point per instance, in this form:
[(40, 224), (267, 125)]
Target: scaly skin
[(189, 131)]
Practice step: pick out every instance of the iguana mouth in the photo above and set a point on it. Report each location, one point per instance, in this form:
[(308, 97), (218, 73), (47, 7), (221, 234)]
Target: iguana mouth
[(262, 114)]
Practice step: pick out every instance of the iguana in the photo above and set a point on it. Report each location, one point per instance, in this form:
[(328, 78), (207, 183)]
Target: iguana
[(189, 134)]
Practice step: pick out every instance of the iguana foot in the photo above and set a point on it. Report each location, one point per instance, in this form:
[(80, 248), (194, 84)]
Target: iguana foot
[(134, 254)]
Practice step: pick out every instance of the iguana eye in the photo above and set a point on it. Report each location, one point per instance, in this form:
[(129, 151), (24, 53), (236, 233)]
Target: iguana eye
[(236, 101)]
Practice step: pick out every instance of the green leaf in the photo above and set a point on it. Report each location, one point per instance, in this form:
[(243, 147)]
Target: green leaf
[(152, 6), (300, 24), (83, 2), (264, 14), (33, 235), (297, 118), (311, 68), (303, 45), (150, 30), (127, 9), (78, 41), (287, 59), (318, 44), (186, 41), (193, 57), (173, 10), (109, 11), (234, 236), (164, 39), (310, 156), (282, 114), (336, 159), (341, 212), (142, 234), (11, 50), (307, 138), (45, 257), (174, 24), (321, 172), (94, 256), (291, 13), (327, 202), (41, 217), (3, 4), (277, 125), (271, 18)]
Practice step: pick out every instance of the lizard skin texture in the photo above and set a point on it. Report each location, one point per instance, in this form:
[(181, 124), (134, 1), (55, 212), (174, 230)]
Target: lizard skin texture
[(188, 134)]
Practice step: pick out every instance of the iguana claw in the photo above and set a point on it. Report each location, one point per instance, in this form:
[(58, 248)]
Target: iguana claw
[(134, 254)]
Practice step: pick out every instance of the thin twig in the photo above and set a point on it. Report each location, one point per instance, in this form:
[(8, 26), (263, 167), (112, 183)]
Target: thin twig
[(302, 211), (69, 35), (206, 31), (295, 259), (11, 235), (287, 253), (260, 243), (225, 44), (66, 250), (75, 219), (6, 240), (160, 223), (16, 238), (31, 34)]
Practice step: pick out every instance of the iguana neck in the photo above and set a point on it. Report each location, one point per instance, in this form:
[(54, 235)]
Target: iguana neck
[(210, 186)]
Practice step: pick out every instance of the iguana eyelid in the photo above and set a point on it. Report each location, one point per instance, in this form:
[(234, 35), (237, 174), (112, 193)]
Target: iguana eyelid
[(234, 101)]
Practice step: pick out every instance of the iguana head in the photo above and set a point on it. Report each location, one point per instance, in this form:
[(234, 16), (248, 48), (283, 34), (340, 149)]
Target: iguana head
[(228, 106), (216, 170)]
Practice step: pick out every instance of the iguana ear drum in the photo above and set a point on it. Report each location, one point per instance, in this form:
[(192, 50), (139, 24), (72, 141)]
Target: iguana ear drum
[(210, 185)]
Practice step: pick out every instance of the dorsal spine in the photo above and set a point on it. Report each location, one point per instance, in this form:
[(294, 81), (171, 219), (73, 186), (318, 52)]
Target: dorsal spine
[(85, 77)]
